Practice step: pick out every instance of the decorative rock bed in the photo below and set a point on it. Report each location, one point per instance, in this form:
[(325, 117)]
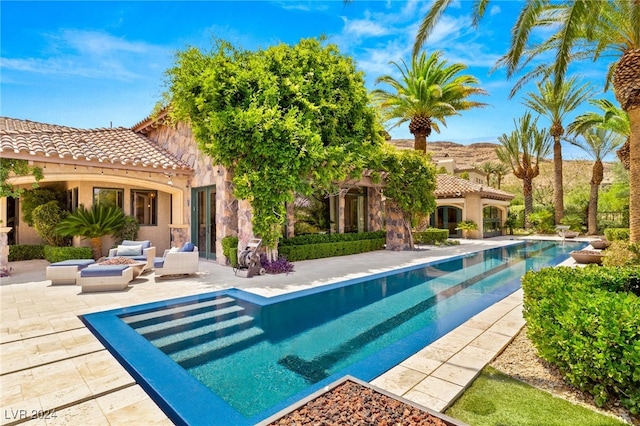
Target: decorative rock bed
[(350, 401)]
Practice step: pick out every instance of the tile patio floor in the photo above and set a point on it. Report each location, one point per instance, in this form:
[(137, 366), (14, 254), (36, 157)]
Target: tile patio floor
[(50, 363)]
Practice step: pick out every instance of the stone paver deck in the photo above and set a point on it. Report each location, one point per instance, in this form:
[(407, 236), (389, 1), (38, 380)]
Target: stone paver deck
[(50, 364)]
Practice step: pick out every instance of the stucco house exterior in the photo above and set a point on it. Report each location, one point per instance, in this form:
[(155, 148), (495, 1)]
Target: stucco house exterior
[(155, 172)]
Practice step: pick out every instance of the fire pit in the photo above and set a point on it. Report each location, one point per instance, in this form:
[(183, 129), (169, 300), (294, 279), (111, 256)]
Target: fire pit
[(137, 266)]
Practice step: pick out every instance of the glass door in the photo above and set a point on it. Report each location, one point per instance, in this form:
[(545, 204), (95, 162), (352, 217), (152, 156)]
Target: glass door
[(203, 220)]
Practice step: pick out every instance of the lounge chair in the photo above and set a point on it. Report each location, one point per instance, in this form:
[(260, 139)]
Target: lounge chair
[(136, 250), (177, 261), (564, 232)]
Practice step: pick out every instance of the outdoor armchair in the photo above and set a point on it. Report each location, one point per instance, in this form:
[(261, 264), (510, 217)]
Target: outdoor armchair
[(177, 261), (137, 250)]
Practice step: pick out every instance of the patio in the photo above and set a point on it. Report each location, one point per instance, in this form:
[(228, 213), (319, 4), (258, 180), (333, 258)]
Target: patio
[(52, 365)]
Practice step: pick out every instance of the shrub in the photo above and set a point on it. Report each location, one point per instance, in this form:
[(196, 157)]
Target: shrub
[(129, 230), (26, 252), (329, 238), (299, 252), (37, 197), (279, 266), (586, 322), (58, 254), (622, 253), (542, 221), (230, 250), (574, 221), (46, 218), (431, 236), (617, 234)]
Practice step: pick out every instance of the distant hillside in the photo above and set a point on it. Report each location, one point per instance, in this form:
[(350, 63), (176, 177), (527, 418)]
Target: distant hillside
[(575, 171), (465, 155)]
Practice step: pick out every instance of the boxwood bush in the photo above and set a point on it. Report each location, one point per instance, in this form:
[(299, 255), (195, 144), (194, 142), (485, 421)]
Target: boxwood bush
[(317, 246), (58, 254), (25, 252), (586, 322), (431, 236), (230, 250), (617, 234)]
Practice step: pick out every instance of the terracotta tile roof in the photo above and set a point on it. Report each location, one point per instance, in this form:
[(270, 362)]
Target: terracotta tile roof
[(120, 145), (449, 186)]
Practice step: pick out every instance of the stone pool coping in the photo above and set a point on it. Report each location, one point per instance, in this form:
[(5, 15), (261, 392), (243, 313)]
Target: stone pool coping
[(51, 364)]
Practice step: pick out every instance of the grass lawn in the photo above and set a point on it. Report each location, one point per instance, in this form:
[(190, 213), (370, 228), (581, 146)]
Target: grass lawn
[(495, 399)]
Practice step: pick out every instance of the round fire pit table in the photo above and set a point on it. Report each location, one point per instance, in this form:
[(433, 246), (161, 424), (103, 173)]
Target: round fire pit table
[(136, 265)]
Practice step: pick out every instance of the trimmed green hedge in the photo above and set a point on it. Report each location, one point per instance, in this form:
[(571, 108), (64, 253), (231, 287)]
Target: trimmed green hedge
[(230, 250), (25, 252), (617, 234), (294, 253), (586, 322), (58, 254), (329, 238), (431, 236)]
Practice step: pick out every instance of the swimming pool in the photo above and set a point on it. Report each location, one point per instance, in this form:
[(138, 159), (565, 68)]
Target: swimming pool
[(232, 357)]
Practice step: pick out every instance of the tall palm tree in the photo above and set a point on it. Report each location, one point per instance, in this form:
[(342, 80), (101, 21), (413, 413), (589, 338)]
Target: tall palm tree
[(427, 91), (94, 223), (555, 103), (523, 150), (500, 172), (598, 143), (612, 118), (488, 168), (589, 29)]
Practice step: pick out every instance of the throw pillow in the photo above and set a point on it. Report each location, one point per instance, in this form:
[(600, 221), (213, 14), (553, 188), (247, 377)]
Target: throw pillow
[(187, 247), (129, 250)]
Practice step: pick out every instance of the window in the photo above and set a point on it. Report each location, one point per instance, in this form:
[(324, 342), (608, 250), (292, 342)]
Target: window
[(144, 206), (109, 196)]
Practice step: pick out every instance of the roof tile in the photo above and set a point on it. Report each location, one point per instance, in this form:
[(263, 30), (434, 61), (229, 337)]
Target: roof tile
[(113, 145), (453, 186)]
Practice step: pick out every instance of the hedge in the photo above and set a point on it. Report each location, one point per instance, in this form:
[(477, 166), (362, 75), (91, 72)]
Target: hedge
[(330, 238), (585, 321), (294, 253), (58, 254), (617, 234), (431, 236), (25, 252)]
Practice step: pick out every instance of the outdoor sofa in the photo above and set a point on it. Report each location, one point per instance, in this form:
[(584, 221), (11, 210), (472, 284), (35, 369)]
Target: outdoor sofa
[(177, 261), (136, 250)]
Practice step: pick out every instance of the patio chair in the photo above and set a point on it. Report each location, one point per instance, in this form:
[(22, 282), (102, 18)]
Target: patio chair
[(564, 232), (136, 250), (177, 261)]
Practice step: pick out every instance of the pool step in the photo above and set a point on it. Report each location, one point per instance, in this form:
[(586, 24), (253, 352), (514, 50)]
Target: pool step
[(207, 351), (153, 317), (169, 343), (185, 323)]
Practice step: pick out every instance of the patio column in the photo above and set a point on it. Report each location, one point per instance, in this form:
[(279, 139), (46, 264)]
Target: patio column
[(227, 220), (374, 196), (340, 218), (291, 221), (397, 236), (245, 227)]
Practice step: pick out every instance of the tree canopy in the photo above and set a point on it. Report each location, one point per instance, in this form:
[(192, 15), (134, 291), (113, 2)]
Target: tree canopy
[(282, 120)]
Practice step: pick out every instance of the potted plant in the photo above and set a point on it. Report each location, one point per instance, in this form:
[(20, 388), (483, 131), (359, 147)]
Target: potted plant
[(466, 226)]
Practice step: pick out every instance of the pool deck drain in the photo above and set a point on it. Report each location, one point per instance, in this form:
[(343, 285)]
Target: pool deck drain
[(53, 371)]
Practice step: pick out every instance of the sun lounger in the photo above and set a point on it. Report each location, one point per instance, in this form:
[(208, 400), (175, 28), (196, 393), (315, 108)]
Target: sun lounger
[(65, 272)]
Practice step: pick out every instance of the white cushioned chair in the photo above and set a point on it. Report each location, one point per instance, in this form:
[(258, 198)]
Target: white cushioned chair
[(136, 250), (177, 261)]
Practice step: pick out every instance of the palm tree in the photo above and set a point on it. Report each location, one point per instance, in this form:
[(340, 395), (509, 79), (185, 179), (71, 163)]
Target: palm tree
[(500, 171), (555, 104), (523, 150), (589, 29), (428, 91), (598, 143), (488, 168), (612, 118), (92, 223)]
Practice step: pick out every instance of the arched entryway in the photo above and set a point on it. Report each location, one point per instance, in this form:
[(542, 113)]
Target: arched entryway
[(447, 217)]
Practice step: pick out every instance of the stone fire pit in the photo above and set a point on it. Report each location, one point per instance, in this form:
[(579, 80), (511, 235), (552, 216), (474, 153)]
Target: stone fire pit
[(136, 265)]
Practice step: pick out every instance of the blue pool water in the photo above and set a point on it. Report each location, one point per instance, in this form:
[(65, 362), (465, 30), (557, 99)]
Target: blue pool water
[(238, 358)]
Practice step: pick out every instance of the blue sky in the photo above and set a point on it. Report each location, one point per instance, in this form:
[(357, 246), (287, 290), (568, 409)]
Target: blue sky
[(96, 64)]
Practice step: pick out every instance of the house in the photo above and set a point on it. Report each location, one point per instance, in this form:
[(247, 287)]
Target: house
[(155, 172)]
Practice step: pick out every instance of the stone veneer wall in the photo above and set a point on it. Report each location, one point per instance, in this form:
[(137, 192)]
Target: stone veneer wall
[(180, 142), (374, 195), (397, 235)]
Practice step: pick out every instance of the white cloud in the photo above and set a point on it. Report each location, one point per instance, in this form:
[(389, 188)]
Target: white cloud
[(90, 54), (495, 9), (364, 28)]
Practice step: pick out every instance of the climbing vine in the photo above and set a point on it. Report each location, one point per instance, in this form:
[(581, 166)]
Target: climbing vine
[(18, 168), (283, 120)]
